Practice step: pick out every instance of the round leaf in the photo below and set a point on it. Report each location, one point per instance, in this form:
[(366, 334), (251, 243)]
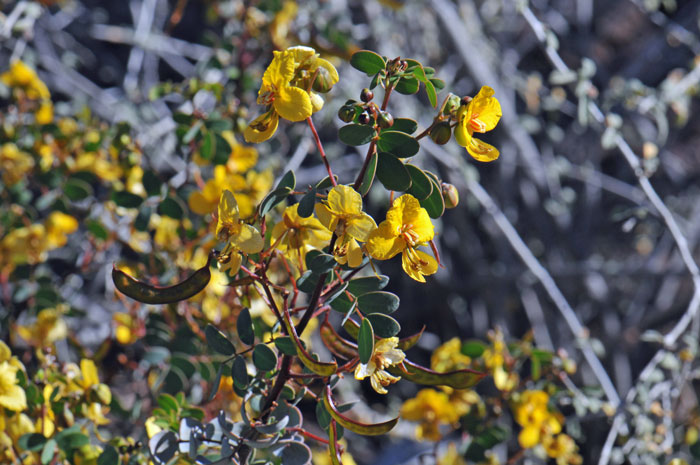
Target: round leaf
[(384, 325), (239, 372), (109, 456), (296, 453), (77, 189), (399, 143), (365, 341), (264, 358), (435, 203), (407, 125), (392, 173), (378, 302), (356, 134), (368, 62), (369, 175), (218, 342), (285, 344), (172, 208), (306, 204), (126, 199), (359, 286), (244, 327), (421, 186), (407, 85)]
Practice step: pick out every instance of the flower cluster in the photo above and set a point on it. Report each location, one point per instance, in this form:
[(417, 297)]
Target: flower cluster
[(26, 85)]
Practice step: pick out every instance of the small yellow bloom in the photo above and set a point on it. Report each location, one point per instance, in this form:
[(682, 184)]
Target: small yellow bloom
[(12, 395), (406, 227), (297, 235), (449, 357), (239, 237), (384, 355), (58, 227), (14, 163), (342, 213), (532, 413), (48, 328), (451, 457), (286, 90), (432, 409), (26, 83), (481, 114)]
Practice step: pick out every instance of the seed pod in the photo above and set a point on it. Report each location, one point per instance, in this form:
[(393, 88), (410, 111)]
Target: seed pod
[(450, 194), (364, 118), (366, 95), (441, 133), (346, 113), (385, 120)]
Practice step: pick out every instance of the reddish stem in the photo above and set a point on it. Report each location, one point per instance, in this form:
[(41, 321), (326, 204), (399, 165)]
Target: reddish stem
[(321, 151)]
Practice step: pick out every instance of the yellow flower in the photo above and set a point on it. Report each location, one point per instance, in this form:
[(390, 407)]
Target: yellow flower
[(532, 413), (384, 355), (242, 158), (342, 213), (451, 456), (58, 227), (14, 163), (406, 227), (48, 328), (322, 457), (237, 235), (495, 359), (562, 448), (25, 80), (431, 409), (12, 395), (279, 26), (481, 114), (85, 381), (286, 90), (449, 357), (297, 235)]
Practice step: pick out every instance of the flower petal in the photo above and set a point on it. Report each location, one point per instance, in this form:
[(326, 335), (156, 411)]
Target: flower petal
[(248, 239), (262, 127), (364, 370), (462, 133), (325, 216), (417, 263), (360, 227), (383, 243), (228, 211), (293, 104), (344, 200), (486, 108), (355, 254), (481, 151)]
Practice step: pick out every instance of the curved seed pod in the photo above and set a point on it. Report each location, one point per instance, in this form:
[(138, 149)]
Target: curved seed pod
[(320, 368), (338, 345), (459, 379), (366, 429), (138, 290), (352, 327), (332, 443), (408, 342)]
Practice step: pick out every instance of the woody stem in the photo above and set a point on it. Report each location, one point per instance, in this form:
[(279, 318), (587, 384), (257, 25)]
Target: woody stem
[(321, 151)]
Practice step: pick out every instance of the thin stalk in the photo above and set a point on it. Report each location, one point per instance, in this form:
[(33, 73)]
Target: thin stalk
[(321, 151)]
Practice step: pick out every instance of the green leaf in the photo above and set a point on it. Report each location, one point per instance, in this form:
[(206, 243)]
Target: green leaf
[(432, 94), (218, 342), (206, 150), (439, 84), (325, 183), (421, 186), (307, 281), (323, 418), (365, 341), (285, 344), (368, 62), (109, 456), (407, 125), (384, 326), (378, 302), (264, 358), (96, 229), (435, 203), (483, 442), (359, 286), (307, 203), (244, 327), (356, 134), (217, 382), (172, 208), (239, 372), (126, 199), (369, 175), (31, 442), (392, 173), (168, 403), (398, 143), (473, 348), (288, 181), (68, 440), (407, 85), (272, 199), (342, 303), (296, 453), (77, 189), (222, 150), (48, 451), (143, 218), (374, 429), (152, 183), (321, 263)]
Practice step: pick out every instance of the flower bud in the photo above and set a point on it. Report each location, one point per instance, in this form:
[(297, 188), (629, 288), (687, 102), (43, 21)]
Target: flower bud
[(366, 95), (465, 100), (346, 113), (450, 194), (385, 120), (323, 82), (451, 105), (364, 118), (441, 133)]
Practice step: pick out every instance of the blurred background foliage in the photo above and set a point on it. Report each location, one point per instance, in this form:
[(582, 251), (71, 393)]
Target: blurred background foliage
[(122, 124)]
